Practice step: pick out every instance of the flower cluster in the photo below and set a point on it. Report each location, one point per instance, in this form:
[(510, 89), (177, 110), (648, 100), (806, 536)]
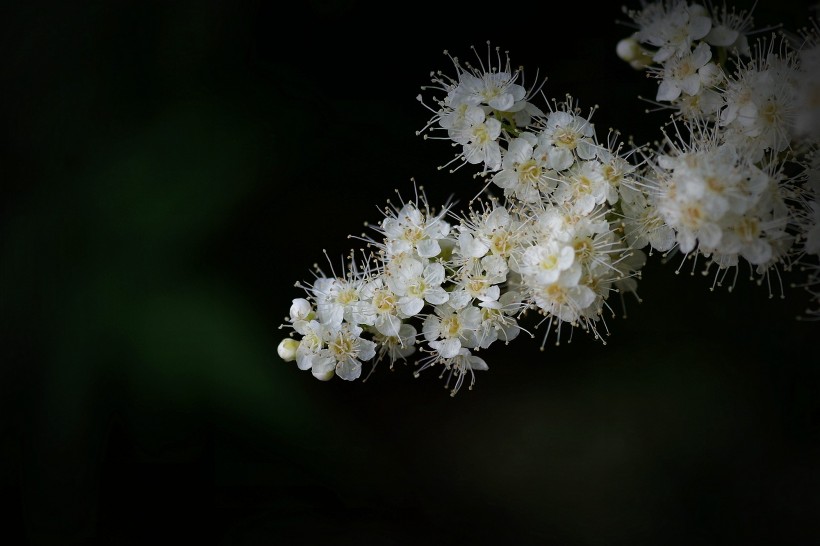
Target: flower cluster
[(565, 219), (734, 180)]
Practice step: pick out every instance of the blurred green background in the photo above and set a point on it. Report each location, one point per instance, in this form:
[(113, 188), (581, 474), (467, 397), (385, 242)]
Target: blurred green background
[(172, 168)]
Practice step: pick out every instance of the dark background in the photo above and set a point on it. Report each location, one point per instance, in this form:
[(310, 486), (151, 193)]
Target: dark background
[(172, 168)]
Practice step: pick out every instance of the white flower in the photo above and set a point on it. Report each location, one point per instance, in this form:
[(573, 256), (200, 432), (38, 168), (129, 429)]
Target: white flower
[(497, 90), (524, 176), (593, 246), (456, 367), (337, 299), (729, 29), (460, 366), (554, 222), (493, 231), (456, 118), (396, 347), (565, 299), (492, 84), (470, 247), (583, 187), (565, 133), (479, 285), (479, 139), (311, 345), (449, 329), (706, 104), (498, 320), (411, 230), (459, 298), (418, 283), (644, 225), (683, 74), (671, 27), (616, 170), (380, 307), (544, 261), (344, 351)]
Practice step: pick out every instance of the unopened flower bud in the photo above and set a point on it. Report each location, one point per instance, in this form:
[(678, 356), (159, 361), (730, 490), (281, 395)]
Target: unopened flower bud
[(628, 49), (300, 309), (287, 349)]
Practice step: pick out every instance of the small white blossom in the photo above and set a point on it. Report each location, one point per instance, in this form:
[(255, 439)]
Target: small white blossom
[(479, 139), (395, 347), (498, 319), (412, 230), (418, 283), (671, 27), (566, 298), (645, 226), (380, 307), (344, 352), (523, 175), (583, 187), (337, 299), (544, 261), (565, 135), (683, 74), (311, 345), (729, 30), (449, 330)]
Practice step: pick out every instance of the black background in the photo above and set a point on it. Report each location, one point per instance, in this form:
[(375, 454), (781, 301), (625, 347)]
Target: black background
[(172, 168)]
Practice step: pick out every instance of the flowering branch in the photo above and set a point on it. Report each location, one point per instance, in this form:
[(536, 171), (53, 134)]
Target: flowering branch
[(564, 219)]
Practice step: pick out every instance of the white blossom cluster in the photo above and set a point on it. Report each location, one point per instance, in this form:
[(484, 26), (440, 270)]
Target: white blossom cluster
[(735, 179), (445, 285), (564, 219)]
